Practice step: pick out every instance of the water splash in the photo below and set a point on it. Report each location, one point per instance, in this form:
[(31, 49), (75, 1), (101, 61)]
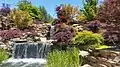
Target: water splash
[(31, 62)]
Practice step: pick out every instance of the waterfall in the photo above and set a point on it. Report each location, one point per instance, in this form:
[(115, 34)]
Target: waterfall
[(28, 55), (51, 31)]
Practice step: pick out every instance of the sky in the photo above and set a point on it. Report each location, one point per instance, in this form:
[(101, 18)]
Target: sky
[(50, 5)]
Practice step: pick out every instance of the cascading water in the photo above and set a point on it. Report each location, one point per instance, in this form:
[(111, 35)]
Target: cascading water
[(52, 31), (28, 55)]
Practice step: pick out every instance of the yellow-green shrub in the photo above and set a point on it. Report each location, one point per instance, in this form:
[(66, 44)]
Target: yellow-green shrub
[(87, 38), (3, 55), (21, 19)]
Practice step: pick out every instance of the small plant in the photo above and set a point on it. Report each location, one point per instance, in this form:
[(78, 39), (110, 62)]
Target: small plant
[(21, 19), (87, 38), (69, 58), (3, 55)]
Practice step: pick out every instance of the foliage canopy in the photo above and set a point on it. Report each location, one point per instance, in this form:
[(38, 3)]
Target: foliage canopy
[(34, 11)]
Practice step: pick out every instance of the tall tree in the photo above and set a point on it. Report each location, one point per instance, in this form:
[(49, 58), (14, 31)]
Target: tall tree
[(46, 17), (90, 9), (44, 12)]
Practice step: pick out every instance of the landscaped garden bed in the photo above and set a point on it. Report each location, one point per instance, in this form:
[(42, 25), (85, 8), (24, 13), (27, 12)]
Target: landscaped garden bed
[(78, 37)]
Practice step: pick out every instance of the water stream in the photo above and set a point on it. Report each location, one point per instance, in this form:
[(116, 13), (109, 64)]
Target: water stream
[(28, 55)]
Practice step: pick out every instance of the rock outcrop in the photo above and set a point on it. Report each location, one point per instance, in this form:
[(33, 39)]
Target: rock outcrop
[(103, 58)]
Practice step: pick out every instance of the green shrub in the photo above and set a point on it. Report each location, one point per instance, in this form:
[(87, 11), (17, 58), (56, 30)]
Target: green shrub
[(46, 16), (34, 11), (87, 38), (21, 19), (3, 55), (64, 58)]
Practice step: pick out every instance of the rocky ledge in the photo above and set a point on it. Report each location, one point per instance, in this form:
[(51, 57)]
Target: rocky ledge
[(103, 58)]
